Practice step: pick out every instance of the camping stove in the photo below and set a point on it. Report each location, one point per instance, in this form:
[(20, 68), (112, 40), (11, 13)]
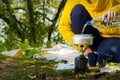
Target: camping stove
[(81, 61)]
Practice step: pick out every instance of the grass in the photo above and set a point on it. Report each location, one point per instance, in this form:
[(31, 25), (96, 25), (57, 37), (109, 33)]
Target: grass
[(40, 69)]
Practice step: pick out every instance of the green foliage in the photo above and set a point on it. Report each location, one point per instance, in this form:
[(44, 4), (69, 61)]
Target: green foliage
[(29, 20), (29, 53), (2, 57), (8, 45), (24, 46), (2, 48)]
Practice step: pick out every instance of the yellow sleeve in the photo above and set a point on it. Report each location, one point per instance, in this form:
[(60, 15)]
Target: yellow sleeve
[(65, 23), (116, 7)]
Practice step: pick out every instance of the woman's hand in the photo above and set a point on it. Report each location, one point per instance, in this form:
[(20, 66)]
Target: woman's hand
[(87, 51), (110, 15)]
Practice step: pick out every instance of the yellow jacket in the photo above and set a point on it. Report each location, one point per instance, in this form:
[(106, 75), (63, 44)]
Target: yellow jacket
[(95, 8)]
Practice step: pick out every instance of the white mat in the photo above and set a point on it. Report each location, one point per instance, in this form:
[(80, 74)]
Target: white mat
[(61, 53)]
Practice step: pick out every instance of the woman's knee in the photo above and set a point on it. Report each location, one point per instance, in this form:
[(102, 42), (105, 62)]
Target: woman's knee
[(78, 9)]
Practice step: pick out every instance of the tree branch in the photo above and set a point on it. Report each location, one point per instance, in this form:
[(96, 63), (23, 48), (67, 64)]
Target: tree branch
[(11, 12), (62, 4)]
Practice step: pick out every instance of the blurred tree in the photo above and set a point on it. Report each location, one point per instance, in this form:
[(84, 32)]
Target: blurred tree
[(35, 20)]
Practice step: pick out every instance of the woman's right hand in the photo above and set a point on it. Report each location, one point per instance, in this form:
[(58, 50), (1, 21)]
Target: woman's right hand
[(87, 51)]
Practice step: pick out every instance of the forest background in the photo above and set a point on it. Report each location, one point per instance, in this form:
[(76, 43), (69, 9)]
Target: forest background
[(33, 20)]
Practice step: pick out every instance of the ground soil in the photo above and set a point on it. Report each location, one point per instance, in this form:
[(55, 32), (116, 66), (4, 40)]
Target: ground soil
[(8, 67)]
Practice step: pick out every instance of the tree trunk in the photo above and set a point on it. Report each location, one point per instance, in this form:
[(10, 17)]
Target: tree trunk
[(31, 21)]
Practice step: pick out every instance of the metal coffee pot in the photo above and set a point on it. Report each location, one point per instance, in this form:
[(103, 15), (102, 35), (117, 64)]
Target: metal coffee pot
[(81, 61), (83, 39)]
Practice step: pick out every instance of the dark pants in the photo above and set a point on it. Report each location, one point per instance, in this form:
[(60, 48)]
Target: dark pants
[(79, 16)]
